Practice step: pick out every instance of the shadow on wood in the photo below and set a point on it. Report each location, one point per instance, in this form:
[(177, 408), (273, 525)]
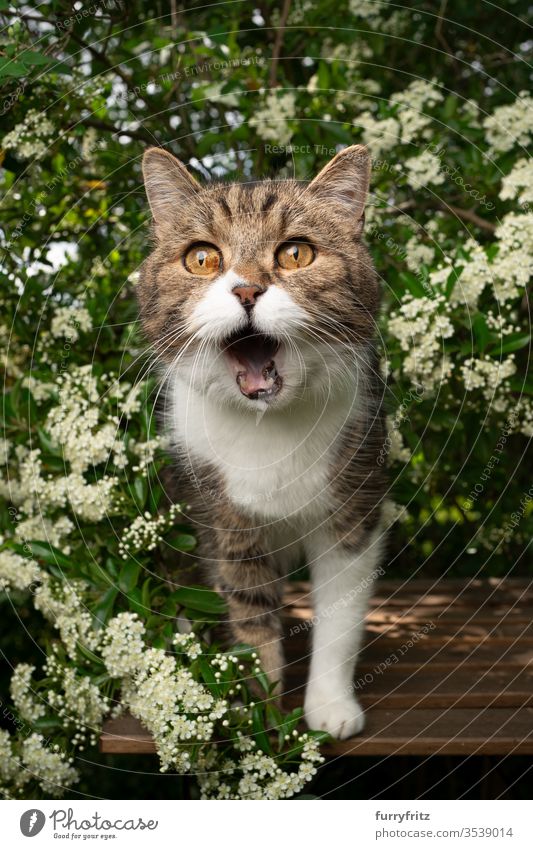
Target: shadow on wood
[(447, 668)]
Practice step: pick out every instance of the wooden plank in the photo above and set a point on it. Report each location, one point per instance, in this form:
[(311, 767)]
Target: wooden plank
[(429, 687), (461, 731), (463, 687), (438, 593), (126, 735)]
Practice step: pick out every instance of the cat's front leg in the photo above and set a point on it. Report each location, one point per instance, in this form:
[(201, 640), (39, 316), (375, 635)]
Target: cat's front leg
[(342, 582), (252, 584)]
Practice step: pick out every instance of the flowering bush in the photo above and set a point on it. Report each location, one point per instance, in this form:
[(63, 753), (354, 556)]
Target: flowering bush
[(88, 539)]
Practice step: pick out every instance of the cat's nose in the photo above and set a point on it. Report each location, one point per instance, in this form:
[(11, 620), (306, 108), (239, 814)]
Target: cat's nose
[(248, 295)]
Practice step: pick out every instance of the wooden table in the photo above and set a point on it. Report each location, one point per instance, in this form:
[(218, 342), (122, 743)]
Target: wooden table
[(446, 669)]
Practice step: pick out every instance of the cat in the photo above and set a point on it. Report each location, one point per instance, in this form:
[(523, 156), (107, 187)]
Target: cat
[(260, 301)]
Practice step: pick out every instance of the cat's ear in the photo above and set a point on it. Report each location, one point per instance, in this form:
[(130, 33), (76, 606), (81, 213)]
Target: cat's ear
[(168, 183), (345, 180)]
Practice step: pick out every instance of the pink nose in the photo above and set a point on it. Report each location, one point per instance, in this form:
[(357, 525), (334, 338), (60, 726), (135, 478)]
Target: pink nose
[(248, 295)]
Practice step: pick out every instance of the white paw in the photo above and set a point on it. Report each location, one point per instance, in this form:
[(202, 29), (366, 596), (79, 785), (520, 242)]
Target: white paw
[(341, 717)]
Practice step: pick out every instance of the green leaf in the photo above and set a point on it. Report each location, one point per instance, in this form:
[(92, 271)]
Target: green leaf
[(136, 603), (199, 598), (184, 542), (31, 57), (208, 676), (263, 680), (49, 554), (514, 342), (48, 445), (128, 576), (46, 723), (10, 68), (89, 655), (481, 331), (146, 594), (412, 284), (104, 608), (140, 491), (259, 733)]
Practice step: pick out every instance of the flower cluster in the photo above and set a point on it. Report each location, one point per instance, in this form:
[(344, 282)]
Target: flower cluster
[(489, 375), (519, 182), (49, 766), (413, 102), (421, 325), (510, 125), (123, 644), (17, 572), (22, 693), (273, 121), (259, 776), (145, 532), (30, 138), (68, 322), (423, 169)]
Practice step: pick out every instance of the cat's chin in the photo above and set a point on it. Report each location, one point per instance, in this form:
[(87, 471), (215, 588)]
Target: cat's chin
[(255, 361)]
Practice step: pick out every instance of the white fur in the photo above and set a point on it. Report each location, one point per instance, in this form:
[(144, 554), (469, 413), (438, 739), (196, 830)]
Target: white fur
[(276, 467), (341, 586), (276, 312), (219, 313), (273, 468)]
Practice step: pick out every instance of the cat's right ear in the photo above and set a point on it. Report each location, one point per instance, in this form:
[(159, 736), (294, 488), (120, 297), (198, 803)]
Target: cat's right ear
[(167, 182)]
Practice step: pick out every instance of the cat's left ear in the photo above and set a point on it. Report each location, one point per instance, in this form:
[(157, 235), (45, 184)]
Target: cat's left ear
[(345, 180), (168, 184)]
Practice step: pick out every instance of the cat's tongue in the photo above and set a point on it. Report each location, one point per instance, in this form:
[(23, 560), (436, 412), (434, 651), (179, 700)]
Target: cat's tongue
[(252, 361)]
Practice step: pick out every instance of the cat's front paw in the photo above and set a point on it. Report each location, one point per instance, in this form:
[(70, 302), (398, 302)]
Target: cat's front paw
[(341, 717)]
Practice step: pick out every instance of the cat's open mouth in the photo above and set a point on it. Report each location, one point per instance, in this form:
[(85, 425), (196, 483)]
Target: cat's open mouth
[(252, 357)]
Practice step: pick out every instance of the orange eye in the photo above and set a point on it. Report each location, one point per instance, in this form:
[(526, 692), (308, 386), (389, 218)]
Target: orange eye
[(202, 259), (294, 255)]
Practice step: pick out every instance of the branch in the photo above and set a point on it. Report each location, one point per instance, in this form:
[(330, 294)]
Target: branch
[(141, 135), (279, 42), (469, 215), (463, 214)]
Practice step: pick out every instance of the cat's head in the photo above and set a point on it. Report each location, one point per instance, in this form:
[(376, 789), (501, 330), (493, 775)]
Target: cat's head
[(259, 293)]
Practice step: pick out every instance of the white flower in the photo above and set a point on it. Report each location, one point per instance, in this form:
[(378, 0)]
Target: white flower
[(188, 644), (22, 694), (63, 606), (123, 644), (38, 527), (68, 322), (83, 701), (272, 121), (417, 254), (74, 424), (379, 135), (30, 138), (476, 274), (40, 389), (145, 532), (519, 182), (393, 512), (17, 572), (419, 96), (487, 374), (511, 124), (9, 766), (51, 769), (397, 451), (423, 170), (514, 260), (421, 325)]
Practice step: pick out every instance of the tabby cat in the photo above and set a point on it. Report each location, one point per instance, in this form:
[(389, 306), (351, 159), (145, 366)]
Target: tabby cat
[(260, 302)]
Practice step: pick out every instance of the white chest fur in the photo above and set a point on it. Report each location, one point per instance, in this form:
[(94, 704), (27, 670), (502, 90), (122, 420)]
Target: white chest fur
[(274, 466)]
